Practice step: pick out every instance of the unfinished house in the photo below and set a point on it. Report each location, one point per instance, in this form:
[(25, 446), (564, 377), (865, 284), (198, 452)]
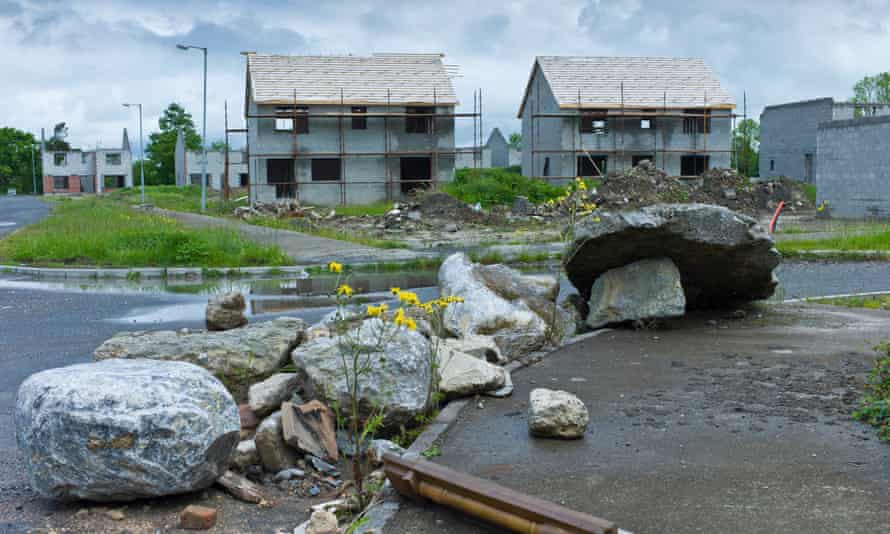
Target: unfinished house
[(348, 129), (789, 133), (88, 171), (496, 152), (585, 116), (187, 166)]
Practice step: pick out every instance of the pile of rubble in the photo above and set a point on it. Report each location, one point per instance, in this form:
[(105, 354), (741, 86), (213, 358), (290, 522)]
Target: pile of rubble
[(645, 185)]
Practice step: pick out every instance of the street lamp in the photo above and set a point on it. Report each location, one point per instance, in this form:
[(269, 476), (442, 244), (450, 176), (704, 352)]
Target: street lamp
[(141, 151), (203, 128)]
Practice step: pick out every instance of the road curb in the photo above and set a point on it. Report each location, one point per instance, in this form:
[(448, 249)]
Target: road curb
[(148, 273)]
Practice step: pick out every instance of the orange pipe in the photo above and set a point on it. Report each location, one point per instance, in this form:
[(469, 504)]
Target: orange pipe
[(775, 219)]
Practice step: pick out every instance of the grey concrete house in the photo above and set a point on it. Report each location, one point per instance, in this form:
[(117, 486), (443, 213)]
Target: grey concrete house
[(789, 132), (187, 166), (853, 166), (496, 152), (348, 129), (583, 116), (88, 171)]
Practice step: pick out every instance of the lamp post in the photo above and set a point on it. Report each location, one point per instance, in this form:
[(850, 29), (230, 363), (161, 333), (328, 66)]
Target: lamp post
[(203, 128), (141, 151), (33, 171)]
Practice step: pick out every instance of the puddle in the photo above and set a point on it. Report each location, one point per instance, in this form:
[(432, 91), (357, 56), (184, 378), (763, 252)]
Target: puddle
[(182, 301)]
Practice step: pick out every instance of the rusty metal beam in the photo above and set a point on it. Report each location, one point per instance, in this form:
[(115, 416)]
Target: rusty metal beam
[(423, 481)]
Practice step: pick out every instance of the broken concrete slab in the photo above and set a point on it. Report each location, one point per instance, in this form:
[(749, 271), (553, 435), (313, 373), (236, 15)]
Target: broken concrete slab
[(311, 428), (274, 452)]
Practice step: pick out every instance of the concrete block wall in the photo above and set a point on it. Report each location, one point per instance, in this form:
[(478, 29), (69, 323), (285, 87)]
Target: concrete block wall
[(363, 177), (853, 174), (788, 133)]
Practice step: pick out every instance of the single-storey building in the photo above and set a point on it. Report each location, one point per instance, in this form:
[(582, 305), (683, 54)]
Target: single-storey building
[(348, 129), (88, 171), (584, 116)]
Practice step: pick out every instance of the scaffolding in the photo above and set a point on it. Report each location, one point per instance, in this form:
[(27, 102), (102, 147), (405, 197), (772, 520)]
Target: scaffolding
[(388, 153), (661, 118)]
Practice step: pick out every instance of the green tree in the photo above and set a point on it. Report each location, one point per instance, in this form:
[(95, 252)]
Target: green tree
[(515, 141), (159, 153), (16, 149), (219, 145), (872, 89), (746, 147)]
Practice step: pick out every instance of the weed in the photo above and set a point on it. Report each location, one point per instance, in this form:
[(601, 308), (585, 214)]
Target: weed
[(433, 451), (874, 407), (134, 276), (490, 187)]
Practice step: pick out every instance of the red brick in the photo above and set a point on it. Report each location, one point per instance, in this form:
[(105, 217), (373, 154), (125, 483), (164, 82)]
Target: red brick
[(248, 418), (196, 517)]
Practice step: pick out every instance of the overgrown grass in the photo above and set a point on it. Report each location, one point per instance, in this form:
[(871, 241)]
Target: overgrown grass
[(99, 232), (809, 190), (359, 210), (491, 187), (869, 302), (874, 407), (877, 240), (186, 198)]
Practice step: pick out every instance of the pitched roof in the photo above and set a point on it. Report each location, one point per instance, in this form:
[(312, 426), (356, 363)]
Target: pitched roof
[(397, 78), (648, 82)]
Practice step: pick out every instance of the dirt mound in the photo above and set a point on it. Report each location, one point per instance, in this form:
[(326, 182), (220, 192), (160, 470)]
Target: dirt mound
[(645, 185), (438, 205)]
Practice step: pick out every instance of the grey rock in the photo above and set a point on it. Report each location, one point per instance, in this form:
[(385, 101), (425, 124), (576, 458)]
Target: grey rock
[(245, 455), (244, 354), (504, 391), (451, 228), (482, 347), (398, 380), (379, 447), (225, 312), (645, 289), (497, 302), (322, 466), (461, 375), (120, 430), (289, 474), (522, 206), (274, 453), (266, 397), (722, 256), (556, 414)]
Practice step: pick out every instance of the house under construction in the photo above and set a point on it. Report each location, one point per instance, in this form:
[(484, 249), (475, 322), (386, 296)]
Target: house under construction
[(585, 116), (349, 129)]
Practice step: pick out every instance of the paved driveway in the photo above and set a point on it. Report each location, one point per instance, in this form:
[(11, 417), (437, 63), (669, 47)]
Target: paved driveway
[(19, 210), (739, 427)]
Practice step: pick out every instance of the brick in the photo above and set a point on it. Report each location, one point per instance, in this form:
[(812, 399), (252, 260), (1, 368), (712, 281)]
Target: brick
[(249, 419), (196, 517)]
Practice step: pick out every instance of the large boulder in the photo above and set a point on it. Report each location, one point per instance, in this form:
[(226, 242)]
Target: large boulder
[(225, 312), (120, 430), (398, 380), (556, 414), (645, 289), (238, 357), (722, 256), (498, 302)]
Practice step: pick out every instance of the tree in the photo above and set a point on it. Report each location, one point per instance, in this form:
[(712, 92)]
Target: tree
[(16, 149), (219, 146), (515, 141), (746, 147), (57, 142), (872, 90), (161, 148)]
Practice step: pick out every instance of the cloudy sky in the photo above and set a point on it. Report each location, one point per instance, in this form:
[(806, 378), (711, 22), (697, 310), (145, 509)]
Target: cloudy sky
[(78, 60)]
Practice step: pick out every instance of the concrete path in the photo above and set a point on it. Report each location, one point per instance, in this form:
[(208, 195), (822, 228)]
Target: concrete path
[(305, 249), (742, 427), (19, 210)]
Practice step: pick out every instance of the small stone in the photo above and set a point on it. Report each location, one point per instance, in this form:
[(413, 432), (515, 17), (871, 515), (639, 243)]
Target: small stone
[(323, 467), (323, 522), (83, 512), (249, 420), (556, 414), (116, 514), (196, 517), (245, 455), (225, 312), (450, 228), (379, 447), (289, 474), (314, 491), (266, 397)]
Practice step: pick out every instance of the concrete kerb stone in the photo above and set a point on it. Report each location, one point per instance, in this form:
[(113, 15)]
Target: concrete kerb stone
[(148, 272)]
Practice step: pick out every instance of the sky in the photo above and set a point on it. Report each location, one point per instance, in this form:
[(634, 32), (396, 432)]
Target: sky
[(77, 61)]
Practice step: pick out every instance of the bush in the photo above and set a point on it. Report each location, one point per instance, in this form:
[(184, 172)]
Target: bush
[(874, 408), (490, 187)]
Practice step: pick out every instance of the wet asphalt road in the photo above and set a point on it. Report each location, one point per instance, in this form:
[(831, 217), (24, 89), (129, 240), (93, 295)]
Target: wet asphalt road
[(20, 211)]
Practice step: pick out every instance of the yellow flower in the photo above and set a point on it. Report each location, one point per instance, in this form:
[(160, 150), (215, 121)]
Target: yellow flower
[(409, 298), (410, 324), (344, 290), (395, 290), (596, 219), (335, 267), (452, 299), (427, 307), (399, 318), (375, 311)]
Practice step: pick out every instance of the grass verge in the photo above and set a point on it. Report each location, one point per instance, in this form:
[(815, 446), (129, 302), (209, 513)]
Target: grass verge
[(845, 242), (97, 232), (186, 198), (874, 407), (868, 302)]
